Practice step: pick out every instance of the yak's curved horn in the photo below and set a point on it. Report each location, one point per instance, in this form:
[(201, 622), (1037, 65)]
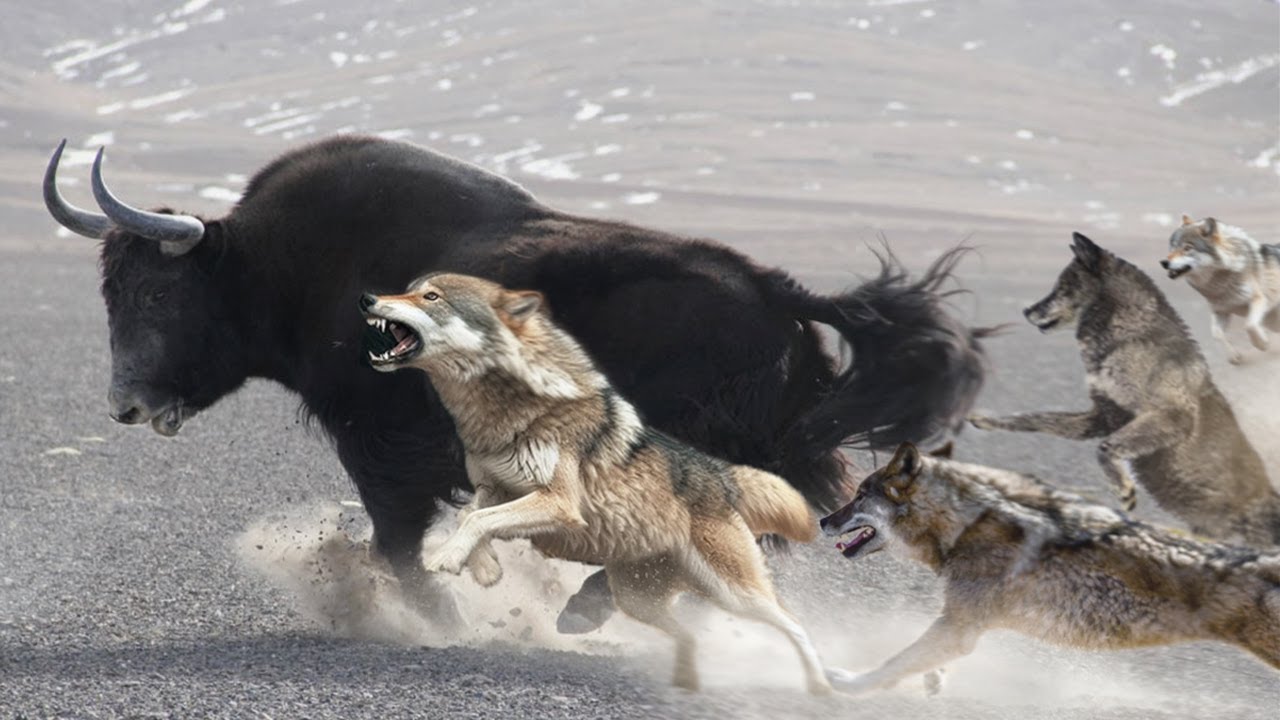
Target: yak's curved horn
[(177, 234), (82, 222)]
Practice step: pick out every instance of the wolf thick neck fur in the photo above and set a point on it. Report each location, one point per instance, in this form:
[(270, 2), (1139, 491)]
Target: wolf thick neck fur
[(969, 492), (1128, 305), (531, 375)]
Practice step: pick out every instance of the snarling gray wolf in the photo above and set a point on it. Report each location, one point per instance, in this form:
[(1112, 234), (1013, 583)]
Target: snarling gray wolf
[(556, 455), (1017, 554), (1235, 273), (1161, 420)]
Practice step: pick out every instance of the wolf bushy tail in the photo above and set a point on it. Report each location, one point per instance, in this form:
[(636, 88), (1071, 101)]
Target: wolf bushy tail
[(772, 507), (913, 372)]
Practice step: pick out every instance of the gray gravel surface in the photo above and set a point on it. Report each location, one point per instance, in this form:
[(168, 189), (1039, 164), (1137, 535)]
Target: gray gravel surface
[(131, 581)]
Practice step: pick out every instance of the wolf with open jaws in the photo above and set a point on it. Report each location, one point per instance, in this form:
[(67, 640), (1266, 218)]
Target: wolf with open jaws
[(556, 455), (1236, 274), (1017, 554), (710, 347), (1161, 419)]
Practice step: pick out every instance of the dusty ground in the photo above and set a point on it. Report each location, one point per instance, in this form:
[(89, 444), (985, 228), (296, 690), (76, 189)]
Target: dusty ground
[(131, 581)]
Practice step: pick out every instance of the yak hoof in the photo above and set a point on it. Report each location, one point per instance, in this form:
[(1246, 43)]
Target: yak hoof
[(588, 608)]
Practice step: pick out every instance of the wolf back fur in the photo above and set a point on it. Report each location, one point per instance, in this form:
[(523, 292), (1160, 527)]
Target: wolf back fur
[(1099, 579), (1236, 274), (1161, 419), (557, 455)]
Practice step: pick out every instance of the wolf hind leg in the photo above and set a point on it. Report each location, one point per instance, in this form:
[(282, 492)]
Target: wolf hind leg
[(1272, 320), (727, 568), (644, 590)]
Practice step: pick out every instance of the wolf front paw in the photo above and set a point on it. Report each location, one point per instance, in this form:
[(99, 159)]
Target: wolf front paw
[(933, 681), (849, 682), (1129, 500), (484, 567), (1235, 357), (449, 558)]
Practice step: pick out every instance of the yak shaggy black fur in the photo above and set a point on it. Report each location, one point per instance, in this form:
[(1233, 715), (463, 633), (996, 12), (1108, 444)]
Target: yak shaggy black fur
[(711, 348)]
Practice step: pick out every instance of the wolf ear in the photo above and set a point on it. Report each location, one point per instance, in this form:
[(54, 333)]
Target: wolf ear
[(516, 307), (904, 467), (1211, 229), (1087, 252), (944, 451), (1186, 220)]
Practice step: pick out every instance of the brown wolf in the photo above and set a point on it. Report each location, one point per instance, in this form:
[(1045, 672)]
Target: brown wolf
[(557, 456), (1017, 554), (1161, 420)]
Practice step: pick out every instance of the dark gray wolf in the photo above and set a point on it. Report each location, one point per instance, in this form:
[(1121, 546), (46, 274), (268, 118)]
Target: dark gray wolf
[(1235, 273), (1161, 419), (1017, 554), (713, 349), (555, 454)]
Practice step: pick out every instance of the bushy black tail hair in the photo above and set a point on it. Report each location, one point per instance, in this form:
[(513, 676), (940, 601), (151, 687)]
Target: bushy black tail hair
[(913, 371)]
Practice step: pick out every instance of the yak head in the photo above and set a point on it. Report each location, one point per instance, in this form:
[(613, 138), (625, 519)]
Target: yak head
[(174, 343)]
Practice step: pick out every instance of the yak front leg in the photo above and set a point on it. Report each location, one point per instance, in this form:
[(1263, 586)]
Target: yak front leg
[(943, 642), (1142, 436)]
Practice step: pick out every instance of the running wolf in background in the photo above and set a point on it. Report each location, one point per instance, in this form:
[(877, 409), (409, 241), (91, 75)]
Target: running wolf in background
[(1018, 554), (558, 456), (1162, 420), (1235, 273)]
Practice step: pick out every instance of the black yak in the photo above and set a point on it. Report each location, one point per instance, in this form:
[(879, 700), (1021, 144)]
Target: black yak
[(711, 348)]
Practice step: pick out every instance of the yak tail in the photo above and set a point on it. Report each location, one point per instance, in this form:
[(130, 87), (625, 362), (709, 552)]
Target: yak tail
[(913, 370), (772, 507)]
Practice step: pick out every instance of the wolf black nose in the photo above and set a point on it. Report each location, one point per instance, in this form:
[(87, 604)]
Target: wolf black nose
[(367, 301), (1165, 263)]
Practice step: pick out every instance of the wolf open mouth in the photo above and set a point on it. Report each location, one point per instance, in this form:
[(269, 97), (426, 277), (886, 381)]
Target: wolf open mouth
[(852, 542), (1177, 272), (389, 342), (1046, 325)]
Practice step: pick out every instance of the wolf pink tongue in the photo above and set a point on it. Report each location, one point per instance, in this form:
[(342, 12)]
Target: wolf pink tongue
[(403, 345)]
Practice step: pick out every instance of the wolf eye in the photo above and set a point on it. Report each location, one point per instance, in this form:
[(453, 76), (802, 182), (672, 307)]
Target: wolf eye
[(431, 296)]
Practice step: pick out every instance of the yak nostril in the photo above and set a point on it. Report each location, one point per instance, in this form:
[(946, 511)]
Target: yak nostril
[(128, 417), (367, 301)]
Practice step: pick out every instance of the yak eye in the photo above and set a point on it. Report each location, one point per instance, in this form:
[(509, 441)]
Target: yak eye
[(432, 296), (152, 298)]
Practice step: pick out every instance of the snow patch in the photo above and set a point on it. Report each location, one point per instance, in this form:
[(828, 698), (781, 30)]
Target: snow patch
[(1214, 79)]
